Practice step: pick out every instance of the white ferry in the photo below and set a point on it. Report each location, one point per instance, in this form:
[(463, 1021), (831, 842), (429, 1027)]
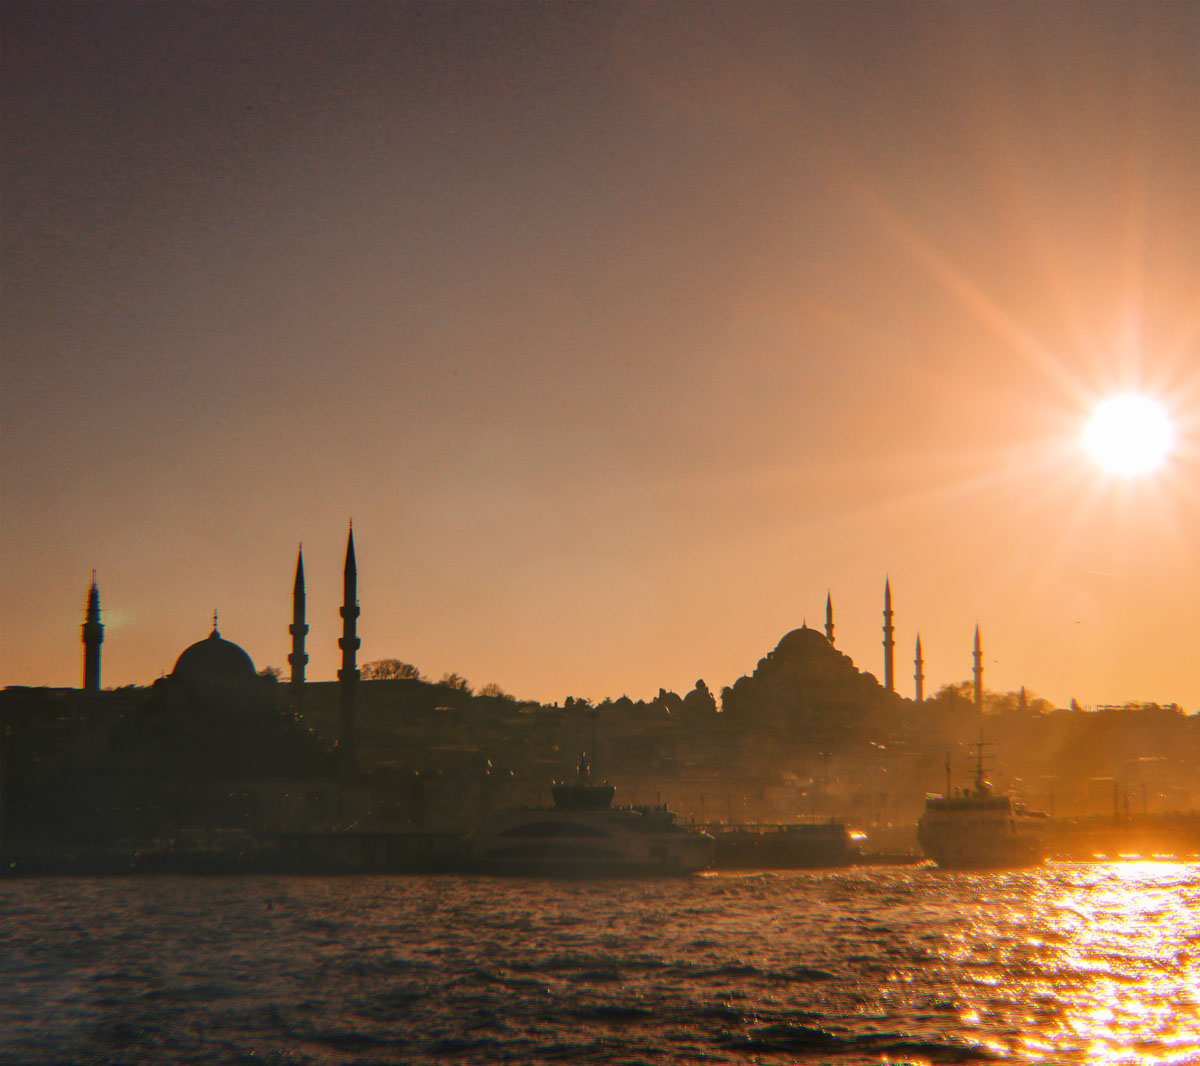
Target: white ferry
[(584, 835), (978, 828)]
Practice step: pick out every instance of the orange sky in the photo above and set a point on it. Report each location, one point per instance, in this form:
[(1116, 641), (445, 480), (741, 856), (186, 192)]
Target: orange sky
[(622, 331)]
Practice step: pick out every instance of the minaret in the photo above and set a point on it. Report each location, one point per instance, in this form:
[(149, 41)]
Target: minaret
[(92, 634), (978, 671), (919, 672), (348, 674), (829, 616), (299, 630), (888, 643)]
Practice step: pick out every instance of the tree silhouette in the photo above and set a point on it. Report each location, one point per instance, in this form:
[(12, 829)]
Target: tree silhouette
[(456, 682), (494, 690), (389, 670)]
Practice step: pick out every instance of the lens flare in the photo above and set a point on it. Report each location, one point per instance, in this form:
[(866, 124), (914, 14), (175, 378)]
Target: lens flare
[(1129, 435)]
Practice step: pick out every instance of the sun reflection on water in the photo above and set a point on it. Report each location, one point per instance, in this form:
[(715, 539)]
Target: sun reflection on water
[(1100, 963)]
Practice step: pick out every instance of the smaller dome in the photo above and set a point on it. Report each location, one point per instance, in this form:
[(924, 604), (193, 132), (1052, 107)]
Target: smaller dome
[(214, 659)]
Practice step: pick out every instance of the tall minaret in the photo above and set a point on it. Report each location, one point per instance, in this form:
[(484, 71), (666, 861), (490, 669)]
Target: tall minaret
[(978, 671), (888, 643), (348, 674), (92, 634), (829, 616), (919, 672), (299, 630)]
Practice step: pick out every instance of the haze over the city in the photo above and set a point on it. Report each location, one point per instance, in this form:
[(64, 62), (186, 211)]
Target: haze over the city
[(623, 332)]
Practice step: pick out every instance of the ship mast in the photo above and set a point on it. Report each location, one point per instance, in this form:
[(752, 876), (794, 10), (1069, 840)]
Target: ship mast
[(592, 762), (981, 786)]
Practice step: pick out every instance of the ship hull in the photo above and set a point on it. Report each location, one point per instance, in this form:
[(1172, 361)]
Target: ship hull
[(962, 852), (584, 869), (616, 842), (785, 847), (964, 846)]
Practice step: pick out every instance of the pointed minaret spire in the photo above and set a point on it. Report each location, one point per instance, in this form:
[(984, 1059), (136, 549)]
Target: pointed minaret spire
[(299, 630), (829, 615), (888, 643), (919, 672), (978, 671), (92, 635), (348, 675)]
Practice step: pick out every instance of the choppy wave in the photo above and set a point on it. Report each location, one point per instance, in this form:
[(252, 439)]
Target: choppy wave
[(1069, 964)]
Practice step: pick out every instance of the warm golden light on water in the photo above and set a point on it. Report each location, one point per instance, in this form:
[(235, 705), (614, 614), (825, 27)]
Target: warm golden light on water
[(1103, 958)]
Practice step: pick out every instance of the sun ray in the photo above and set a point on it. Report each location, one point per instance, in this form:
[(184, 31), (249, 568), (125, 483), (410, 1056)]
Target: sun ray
[(971, 297)]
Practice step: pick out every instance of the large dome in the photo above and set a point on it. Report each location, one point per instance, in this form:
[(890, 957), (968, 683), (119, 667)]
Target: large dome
[(214, 659), (803, 642), (807, 652)]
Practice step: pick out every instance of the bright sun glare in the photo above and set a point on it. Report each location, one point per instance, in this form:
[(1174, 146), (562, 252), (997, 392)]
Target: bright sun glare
[(1129, 434)]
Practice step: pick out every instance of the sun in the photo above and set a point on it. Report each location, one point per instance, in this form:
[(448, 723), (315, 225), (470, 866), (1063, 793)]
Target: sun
[(1129, 434)]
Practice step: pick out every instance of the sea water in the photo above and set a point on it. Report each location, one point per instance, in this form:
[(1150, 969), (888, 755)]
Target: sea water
[(1064, 964)]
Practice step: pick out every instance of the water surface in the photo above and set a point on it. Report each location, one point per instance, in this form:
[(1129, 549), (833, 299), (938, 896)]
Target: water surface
[(1067, 964)]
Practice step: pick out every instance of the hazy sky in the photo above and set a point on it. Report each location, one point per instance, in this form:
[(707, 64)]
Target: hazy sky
[(622, 331)]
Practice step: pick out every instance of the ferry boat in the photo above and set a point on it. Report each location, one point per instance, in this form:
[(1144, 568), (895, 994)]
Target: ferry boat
[(791, 846), (584, 835), (979, 828)]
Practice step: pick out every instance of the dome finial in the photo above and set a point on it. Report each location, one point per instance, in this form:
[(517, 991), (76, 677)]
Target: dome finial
[(214, 632)]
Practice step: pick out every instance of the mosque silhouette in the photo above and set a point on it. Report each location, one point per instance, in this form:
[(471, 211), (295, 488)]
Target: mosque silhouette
[(215, 675), (221, 669)]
